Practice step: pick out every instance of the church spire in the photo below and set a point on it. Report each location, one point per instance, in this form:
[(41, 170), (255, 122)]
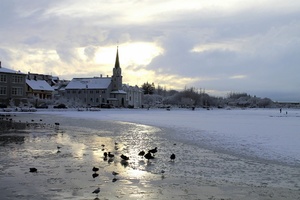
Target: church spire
[(117, 63), (117, 74)]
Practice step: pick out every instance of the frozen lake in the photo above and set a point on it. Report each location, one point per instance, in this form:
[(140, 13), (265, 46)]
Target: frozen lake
[(260, 133), (223, 149)]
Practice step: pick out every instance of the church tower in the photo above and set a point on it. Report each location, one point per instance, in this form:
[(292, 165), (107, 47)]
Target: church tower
[(117, 75)]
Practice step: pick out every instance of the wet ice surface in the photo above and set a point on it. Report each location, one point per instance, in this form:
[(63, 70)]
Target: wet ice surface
[(67, 174)]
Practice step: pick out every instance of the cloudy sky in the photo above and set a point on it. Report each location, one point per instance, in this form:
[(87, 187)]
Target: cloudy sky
[(220, 46)]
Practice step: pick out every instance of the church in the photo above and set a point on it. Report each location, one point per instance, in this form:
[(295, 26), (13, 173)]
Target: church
[(105, 91)]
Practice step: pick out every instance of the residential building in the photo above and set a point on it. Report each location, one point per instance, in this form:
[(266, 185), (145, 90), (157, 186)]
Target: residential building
[(134, 95), (12, 86), (38, 91)]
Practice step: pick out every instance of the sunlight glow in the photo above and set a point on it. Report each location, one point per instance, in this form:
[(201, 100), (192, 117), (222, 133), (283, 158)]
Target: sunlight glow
[(169, 81), (137, 173), (139, 53), (238, 77), (231, 46)]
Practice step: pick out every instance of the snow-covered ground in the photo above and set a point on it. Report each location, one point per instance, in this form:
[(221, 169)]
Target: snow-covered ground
[(260, 133)]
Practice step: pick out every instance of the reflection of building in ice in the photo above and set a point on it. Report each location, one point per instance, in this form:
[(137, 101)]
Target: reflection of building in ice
[(103, 90)]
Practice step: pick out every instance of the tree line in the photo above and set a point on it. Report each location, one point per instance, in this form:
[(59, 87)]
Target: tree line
[(193, 97)]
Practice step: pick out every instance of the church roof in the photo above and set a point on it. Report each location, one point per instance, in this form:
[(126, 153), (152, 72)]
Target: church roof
[(90, 83)]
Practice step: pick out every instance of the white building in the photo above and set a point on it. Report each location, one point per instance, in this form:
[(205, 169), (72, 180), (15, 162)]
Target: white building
[(103, 90)]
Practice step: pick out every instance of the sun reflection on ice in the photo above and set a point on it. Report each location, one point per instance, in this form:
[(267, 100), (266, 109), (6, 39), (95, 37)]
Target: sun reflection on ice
[(137, 174)]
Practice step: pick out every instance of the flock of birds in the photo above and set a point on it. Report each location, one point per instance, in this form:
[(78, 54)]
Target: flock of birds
[(149, 155), (109, 156)]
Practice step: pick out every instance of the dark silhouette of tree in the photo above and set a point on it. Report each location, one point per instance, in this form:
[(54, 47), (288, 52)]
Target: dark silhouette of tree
[(148, 88)]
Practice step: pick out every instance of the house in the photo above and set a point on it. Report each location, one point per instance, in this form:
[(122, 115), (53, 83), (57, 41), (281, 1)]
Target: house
[(38, 91), (88, 91), (51, 80), (101, 90), (12, 86), (133, 95)]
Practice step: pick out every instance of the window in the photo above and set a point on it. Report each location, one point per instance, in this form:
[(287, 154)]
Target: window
[(103, 91), (3, 78), (17, 79), (91, 92), (17, 91), (2, 90)]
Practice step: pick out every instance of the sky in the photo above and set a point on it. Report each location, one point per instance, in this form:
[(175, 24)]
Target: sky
[(217, 46)]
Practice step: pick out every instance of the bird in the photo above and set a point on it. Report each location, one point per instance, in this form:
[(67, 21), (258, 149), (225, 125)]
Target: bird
[(141, 153), (95, 175), (148, 156), (110, 155), (114, 179), (105, 154), (114, 173), (110, 160), (58, 149), (172, 157), (95, 169), (96, 191), (33, 169), (153, 150), (124, 157)]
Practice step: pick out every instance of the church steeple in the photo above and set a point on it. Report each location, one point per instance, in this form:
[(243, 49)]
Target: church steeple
[(117, 63), (117, 74)]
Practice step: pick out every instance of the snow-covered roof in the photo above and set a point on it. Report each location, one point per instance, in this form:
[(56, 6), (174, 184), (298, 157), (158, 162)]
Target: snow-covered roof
[(5, 70), (118, 92), (55, 87), (90, 83), (129, 88), (39, 85)]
